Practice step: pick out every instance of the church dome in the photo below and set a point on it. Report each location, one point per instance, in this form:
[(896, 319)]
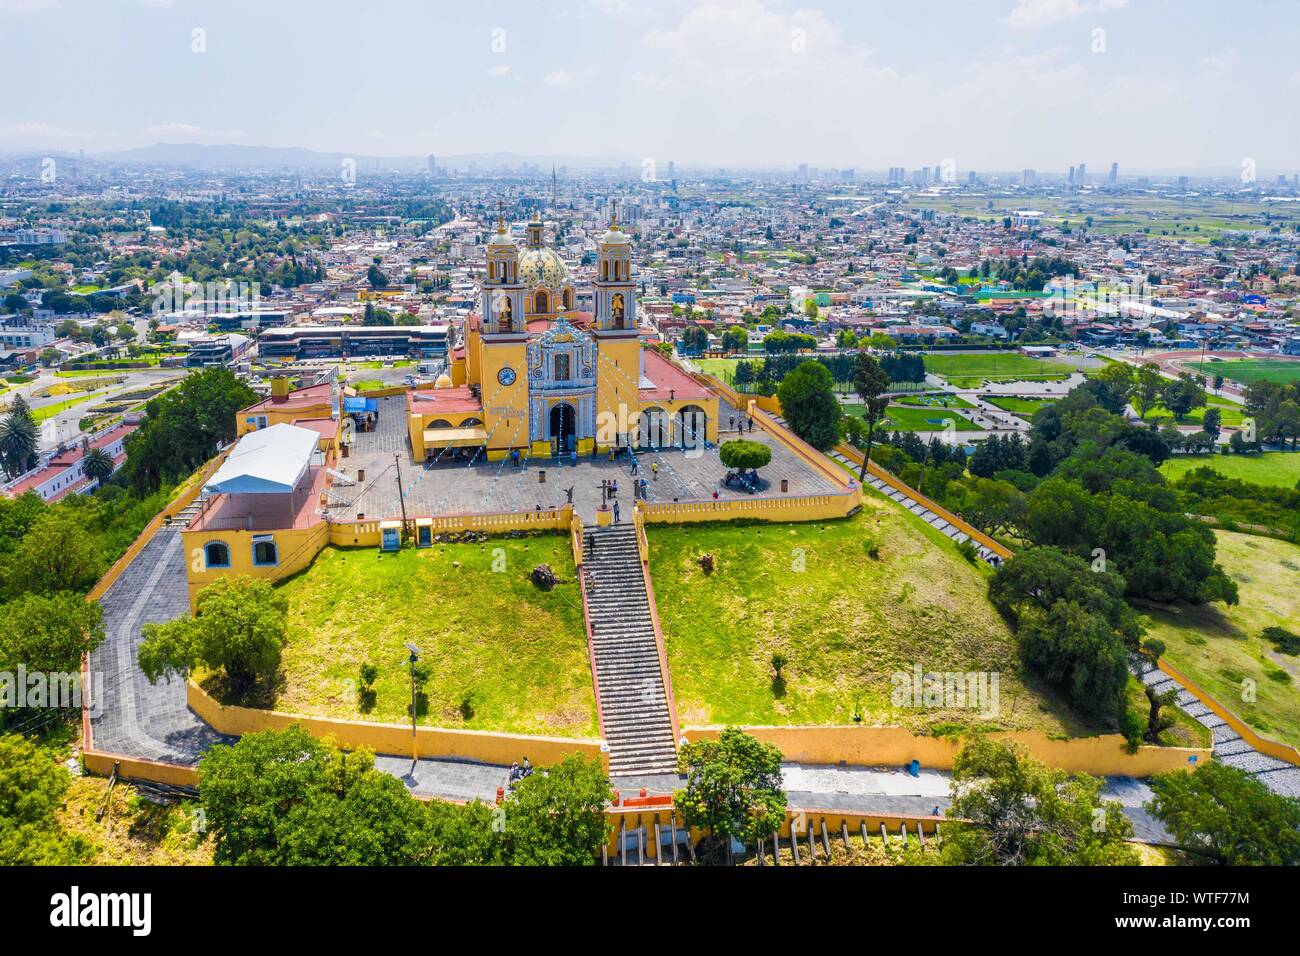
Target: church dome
[(500, 239), (614, 236), (443, 381), (542, 266)]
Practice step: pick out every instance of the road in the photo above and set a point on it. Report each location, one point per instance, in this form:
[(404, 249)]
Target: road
[(64, 426)]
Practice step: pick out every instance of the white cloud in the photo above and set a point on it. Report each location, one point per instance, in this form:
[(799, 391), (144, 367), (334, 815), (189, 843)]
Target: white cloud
[(191, 133), (16, 7), (1221, 61), (1037, 13)]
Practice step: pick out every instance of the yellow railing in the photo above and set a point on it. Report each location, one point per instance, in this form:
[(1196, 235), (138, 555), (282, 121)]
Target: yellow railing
[(792, 508)]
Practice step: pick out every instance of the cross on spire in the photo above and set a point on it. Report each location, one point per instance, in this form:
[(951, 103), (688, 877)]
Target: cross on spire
[(501, 216), (613, 213)]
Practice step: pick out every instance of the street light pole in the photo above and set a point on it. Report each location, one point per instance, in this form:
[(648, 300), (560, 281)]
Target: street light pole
[(411, 661)]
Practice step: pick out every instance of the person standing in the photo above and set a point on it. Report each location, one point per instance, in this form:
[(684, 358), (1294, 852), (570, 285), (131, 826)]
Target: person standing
[(615, 512), (654, 469)]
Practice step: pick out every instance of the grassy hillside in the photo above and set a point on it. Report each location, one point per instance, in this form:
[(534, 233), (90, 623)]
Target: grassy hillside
[(1279, 468), (845, 620), (504, 655), (1219, 646)]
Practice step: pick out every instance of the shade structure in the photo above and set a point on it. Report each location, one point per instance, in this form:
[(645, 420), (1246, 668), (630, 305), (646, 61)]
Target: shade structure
[(268, 461), (455, 437)]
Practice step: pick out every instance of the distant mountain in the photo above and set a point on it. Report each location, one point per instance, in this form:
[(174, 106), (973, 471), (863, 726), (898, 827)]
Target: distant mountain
[(197, 155)]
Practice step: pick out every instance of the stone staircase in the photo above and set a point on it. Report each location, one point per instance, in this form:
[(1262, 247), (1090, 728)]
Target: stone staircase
[(633, 702), (1229, 746)]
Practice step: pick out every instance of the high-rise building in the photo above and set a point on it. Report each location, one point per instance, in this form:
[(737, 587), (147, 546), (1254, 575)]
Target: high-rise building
[(433, 165), (1082, 175), (803, 172), (1070, 178), (1182, 183), (671, 176), (1029, 178), (1114, 173)]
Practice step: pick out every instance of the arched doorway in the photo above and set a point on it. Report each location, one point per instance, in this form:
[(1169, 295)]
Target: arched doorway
[(653, 429), (692, 426), (564, 425)]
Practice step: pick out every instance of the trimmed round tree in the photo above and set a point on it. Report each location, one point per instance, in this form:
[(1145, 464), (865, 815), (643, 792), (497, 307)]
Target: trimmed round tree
[(744, 455)]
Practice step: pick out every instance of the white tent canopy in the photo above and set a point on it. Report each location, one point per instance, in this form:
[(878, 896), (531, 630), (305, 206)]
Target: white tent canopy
[(268, 461)]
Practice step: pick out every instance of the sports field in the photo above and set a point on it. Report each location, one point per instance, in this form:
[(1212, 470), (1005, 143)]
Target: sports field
[(1247, 371), (969, 369)]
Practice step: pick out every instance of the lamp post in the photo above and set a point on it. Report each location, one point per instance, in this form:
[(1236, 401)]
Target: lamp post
[(411, 662)]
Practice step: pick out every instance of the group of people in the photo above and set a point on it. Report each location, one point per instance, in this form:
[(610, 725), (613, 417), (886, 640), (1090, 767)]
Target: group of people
[(519, 771), (731, 421)]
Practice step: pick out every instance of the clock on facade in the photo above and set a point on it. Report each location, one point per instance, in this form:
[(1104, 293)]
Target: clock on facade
[(506, 376)]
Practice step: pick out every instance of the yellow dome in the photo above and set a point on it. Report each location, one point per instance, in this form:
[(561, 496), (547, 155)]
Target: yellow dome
[(542, 266), (442, 381)]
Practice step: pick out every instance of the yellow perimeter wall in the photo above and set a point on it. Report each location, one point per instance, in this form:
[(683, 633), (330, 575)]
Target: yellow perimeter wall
[(397, 739), (895, 746)]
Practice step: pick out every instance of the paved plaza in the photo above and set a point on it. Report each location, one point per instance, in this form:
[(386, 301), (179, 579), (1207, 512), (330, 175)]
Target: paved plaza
[(461, 487)]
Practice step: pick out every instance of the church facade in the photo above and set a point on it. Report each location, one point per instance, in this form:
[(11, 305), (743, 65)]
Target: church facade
[(536, 377)]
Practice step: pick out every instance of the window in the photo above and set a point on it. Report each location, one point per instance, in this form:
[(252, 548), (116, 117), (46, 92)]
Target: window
[(264, 552), (216, 554), (562, 368)]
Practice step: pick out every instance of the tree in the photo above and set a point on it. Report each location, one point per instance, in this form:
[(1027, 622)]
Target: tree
[(375, 277), (1073, 626), (1149, 385), (809, 405), (1211, 423), (1182, 395), (238, 625), (1228, 815), (56, 554), (870, 382), (733, 789), (49, 633), (98, 465), (284, 798), (1021, 812), (556, 816), (32, 788), (18, 439), (183, 427), (735, 339), (744, 454)]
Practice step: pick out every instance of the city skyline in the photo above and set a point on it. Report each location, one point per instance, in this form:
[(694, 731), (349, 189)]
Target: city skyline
[(998, 85)]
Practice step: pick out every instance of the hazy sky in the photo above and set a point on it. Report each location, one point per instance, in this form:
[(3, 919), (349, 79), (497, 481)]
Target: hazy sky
[(991, 84)]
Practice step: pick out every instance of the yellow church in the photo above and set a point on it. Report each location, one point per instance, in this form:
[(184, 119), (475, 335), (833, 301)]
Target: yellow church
[(535, 377)]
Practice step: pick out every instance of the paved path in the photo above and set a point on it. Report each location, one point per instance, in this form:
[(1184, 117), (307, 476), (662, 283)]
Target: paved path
[(131, 717)]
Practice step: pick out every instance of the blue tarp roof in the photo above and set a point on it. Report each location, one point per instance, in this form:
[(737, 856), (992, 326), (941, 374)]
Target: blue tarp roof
[(355, 403)]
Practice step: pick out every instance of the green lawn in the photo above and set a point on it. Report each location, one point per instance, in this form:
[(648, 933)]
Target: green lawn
[(1247, 371), (967, 369), (902, 419), (934, 401), (49, 411), (846, 622), (1219, 646), (1281, 468), (368, 384), (1230, 414), (1024, 407), (518, 654)]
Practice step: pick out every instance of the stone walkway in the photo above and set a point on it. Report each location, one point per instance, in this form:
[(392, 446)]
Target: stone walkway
[(483, 486), (1229, 746)]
